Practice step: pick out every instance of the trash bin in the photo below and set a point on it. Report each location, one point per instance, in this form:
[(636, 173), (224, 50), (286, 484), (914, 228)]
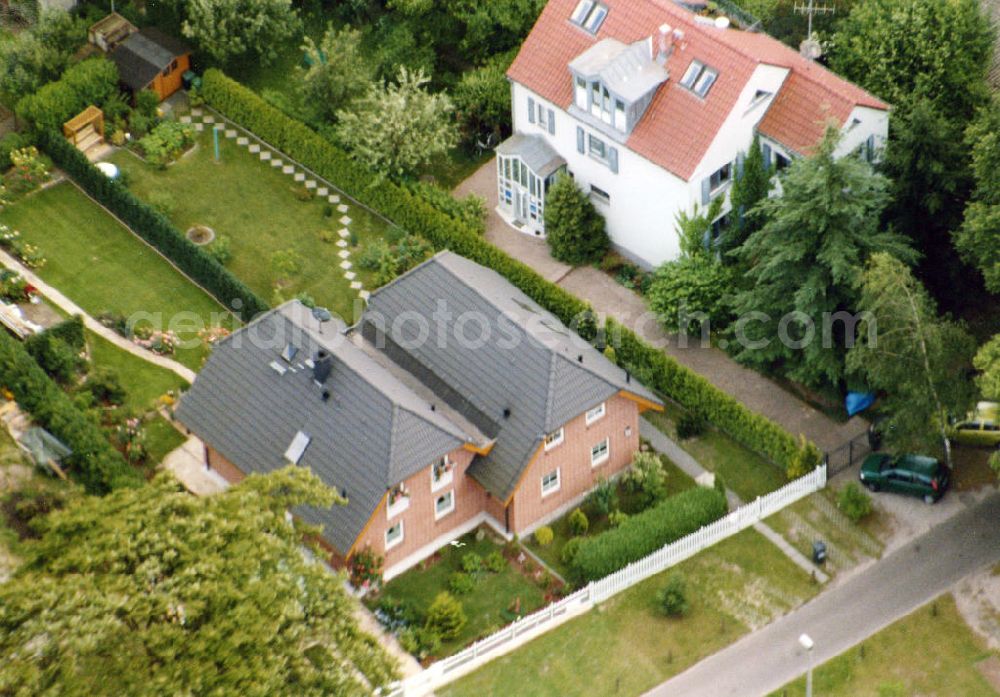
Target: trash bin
[(819, 552), (187, 78)]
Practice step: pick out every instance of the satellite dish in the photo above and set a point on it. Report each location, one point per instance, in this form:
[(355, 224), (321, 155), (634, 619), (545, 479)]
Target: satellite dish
[(722, 22), (811, 49)]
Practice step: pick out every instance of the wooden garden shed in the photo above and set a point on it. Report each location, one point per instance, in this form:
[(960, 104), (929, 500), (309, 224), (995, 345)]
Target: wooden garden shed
[(150, 59)]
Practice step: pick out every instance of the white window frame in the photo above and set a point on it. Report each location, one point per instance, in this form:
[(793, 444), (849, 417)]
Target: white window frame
[(447, 478), (439, 514), (394, 509), (597, 413), (601, 459), (555, 438), (723, 183), (600, 195), (554, 485), (389, 544)]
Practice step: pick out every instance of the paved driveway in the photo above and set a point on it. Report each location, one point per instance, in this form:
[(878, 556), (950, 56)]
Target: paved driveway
[(612, 299)]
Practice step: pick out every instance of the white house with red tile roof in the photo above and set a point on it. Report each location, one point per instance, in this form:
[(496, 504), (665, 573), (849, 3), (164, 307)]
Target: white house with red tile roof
[(652, 109)]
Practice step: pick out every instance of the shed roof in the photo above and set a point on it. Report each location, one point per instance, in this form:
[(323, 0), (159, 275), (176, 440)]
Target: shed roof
[(144, 54)]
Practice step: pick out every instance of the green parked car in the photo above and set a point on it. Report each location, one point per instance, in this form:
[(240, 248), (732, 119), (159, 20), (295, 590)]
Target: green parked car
[(915, 475)]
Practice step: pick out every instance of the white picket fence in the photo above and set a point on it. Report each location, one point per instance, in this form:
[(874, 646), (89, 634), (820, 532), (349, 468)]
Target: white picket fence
[(527, 628)]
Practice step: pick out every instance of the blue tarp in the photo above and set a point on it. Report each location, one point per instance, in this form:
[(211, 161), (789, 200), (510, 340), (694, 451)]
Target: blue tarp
[(858, 401)]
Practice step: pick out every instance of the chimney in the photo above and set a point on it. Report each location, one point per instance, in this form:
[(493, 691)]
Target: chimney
[(666, 44), (322, 367)]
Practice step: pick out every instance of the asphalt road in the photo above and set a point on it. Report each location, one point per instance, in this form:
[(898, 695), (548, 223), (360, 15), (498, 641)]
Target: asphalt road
[(842, 617)]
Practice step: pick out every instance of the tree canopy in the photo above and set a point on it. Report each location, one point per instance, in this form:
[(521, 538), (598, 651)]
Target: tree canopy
[(576, 233), (987, 362), (918, 359), (978, 240), (805, 263), (339, 72), (398, 127), (750, 188), (38, 55), (152, 591), (228, 29), (906, 49)]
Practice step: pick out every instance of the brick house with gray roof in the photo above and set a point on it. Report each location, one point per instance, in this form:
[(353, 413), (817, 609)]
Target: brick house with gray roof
[(455, 401)]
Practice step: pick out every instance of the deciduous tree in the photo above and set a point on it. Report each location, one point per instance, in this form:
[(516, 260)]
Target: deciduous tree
[(978, 240), (228, 29), (38, 55), (398, 127), (152, 591), (918, 359), (338, 72), (804, 265), (987, 362)]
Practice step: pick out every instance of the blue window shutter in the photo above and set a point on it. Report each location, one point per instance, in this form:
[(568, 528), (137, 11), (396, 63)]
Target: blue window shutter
[(552, 122), (579, 139), (767, 155), (740, 158), (531, 110), (613, 159), (706, 190)]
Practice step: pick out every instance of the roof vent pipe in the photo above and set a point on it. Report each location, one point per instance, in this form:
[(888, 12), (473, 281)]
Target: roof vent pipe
[(322, 367)]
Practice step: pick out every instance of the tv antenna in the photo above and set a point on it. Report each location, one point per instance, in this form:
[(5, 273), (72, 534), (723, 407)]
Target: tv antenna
[(811, 47)]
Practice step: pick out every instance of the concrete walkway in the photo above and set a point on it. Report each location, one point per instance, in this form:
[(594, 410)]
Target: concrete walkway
[(848, 614), (662, 443), (611, 299), (68, 306)]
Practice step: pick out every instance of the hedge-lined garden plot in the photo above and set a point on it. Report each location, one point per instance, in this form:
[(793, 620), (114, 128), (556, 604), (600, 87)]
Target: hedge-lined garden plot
[(102, 267), (267, 217)]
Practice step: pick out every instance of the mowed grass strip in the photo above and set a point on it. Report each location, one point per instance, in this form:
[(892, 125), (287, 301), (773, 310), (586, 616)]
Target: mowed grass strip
[(626, 645), (102, 267), (258, 208), (931, 652)]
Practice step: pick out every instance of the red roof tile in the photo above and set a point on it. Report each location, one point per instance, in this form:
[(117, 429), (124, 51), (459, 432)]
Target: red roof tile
[(678, 126)]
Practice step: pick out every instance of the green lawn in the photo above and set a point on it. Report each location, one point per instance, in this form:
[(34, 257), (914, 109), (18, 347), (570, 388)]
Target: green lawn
[(143, 381), (101, 266), (626, 646), (677, 481), (485, 606), (744, 471), (161, 439), (929, 652), (257, 208)]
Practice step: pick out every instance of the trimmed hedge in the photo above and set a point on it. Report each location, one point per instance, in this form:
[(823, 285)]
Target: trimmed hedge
[(642, 534), (155, 228), (94, 462), (410, 211)]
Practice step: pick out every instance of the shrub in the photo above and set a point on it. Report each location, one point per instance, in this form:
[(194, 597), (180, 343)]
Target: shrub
[(446, 616), (98, 466), (166, 142), (422, 642), (408, 210), (569, 551), (472, 563), (154, 228), (616, 518), (854, 502), (646, 532), (92, 81), (691, 424), (574, 230), (647, 475), (544, 536), (221, 250), (469, 210), (10, 142), (690, 294), (604, 497), (461, 583), (805, 459), (71, 331), (105, 386), (672, 598), (578, 522), (495, 562), (57, 358)]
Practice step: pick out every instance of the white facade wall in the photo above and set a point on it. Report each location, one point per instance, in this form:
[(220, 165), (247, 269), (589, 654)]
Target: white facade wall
[(645, 198)]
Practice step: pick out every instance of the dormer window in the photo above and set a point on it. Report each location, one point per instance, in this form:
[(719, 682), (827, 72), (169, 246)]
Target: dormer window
[(699, 78), (589, 15)]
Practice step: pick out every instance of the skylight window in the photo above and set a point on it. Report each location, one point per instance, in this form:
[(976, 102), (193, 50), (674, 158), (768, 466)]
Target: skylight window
[(699, 78), (288, 353), (589, 15), (297, 447)]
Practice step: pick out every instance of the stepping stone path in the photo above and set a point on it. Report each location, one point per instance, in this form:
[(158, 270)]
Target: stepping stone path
[(198, 118)]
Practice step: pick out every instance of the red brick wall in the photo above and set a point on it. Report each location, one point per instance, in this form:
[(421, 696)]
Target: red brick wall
[(419, 525), (230, 472), (572, 457)]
